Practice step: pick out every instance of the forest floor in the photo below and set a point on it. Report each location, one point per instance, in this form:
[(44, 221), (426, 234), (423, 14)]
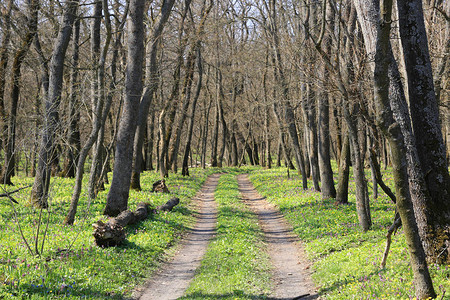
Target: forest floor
[(291, 268), (174, 276), (291, 276)]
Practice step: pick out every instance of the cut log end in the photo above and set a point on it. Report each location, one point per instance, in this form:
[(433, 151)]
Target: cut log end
[(160, 187), (108, 234)]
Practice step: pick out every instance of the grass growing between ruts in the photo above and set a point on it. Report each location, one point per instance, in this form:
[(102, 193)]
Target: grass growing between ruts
[(346, 260), (85, 270), (236, 266)]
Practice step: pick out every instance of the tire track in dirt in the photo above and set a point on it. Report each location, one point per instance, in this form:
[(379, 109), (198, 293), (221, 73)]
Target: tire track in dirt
[(175, 275), (292, 279)]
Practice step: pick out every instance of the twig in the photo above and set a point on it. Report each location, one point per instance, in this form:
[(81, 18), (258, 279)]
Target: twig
[(396, 225), (7, 194), (386, 189)]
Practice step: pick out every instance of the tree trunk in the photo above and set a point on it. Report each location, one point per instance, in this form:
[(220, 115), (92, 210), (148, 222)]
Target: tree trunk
[(74, 111), (326, 173), (281, 80), (117, 199), (309, 110), (344, 172), (187, 86), (187, 149), (215, 137), (97, 120), (100, 156), (435, 227), (6, 28), (19, 56), (41, 184), (112, 233), (149, 91), (386, 91)]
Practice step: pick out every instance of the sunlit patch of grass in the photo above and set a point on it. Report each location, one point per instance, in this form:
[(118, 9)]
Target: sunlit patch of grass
[(346, 260), (70, 265), (236, 265)]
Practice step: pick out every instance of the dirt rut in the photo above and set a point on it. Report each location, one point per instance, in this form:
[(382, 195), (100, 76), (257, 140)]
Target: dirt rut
[(291, 275), (174, 276)]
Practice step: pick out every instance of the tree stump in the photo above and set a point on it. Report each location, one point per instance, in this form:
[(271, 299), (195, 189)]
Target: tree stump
[(112, 233), (160, 187)]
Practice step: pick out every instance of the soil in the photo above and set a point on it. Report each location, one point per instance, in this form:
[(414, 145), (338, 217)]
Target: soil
[(291, 269), (291, 273), (175, 275)]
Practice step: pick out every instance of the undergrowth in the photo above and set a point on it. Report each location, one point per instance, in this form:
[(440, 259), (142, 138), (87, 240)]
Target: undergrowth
[(346, 260), (70, 265)]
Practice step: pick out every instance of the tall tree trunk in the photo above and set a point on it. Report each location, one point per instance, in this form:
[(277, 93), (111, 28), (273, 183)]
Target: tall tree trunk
[(187, 86), (362, 198), (41, 184), (309, 110), (149, 91), (187, 149), (99, 164), (97, 115), (205, 134), (117, 199), (170, 108), (19, 56), (215, 136), (281, 80), (74, 110), (427, 130), (387, 90), (326, 173), (344, 172), (4, 55)]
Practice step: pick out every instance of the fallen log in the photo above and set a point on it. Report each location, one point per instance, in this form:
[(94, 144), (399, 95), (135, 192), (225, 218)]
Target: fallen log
[(112, 233)]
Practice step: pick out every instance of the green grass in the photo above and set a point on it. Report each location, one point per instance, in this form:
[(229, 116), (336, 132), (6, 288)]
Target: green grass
[(346, 260), (236, 265), (87, 271)]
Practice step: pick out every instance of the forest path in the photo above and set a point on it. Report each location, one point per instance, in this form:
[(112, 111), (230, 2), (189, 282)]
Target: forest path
[(174, 276), (290, 266)]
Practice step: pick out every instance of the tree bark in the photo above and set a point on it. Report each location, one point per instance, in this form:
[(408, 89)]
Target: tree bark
[(187, 149), (326, 173), (41, 184), (149, 91), (117, 199), (376, 38), (74, 110), (4, 57), (427, 130), (19, 56), (97, 120), (344, 172), (112, 233)]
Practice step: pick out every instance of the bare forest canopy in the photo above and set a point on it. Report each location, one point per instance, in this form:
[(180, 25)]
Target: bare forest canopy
[(139, 85)]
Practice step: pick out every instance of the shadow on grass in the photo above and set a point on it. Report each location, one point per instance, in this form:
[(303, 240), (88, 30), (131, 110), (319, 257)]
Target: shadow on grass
[(30, 291), (340, 283), (238, 294)]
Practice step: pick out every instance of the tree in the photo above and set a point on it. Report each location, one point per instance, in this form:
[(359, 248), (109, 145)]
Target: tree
[(117, 199), (19, 56), (150, 89), (433, 212), (41, 184), (387, 88)]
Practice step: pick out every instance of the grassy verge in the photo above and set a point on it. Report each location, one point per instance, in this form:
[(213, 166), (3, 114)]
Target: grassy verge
[(346, 261), (85, 270), (236, 265)]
